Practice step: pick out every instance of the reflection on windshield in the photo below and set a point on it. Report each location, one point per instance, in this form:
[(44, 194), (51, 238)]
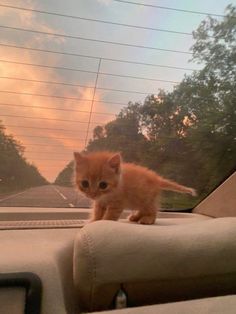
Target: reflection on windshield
[(164, 98)]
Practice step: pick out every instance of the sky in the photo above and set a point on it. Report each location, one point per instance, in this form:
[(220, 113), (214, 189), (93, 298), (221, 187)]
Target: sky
[(51, 120)]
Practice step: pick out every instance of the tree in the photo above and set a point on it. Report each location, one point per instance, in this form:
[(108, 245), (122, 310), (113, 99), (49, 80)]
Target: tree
[(98, 132), (65, 177), (208, 98), (122, 134), (15, 172)]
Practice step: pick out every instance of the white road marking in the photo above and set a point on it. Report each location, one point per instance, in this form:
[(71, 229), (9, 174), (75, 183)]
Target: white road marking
[(62, 195), (12, 196), (71, 205)]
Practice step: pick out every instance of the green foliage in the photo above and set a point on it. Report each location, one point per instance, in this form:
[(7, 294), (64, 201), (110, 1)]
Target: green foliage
[(209, 96), (15, 172)]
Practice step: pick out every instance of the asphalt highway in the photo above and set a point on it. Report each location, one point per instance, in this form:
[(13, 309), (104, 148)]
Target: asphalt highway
[(46, 196)]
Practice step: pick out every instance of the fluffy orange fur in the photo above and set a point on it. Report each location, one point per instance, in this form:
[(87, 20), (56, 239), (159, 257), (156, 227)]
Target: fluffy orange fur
[(115, 185)]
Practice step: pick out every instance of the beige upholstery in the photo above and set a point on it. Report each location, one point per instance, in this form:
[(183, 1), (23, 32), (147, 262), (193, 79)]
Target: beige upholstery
[(155, 264), (175, 218), (12, 300), (47, 253), (218, 305)]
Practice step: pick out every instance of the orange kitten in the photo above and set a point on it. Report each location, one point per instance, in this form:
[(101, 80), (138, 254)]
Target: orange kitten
[(114, 185)]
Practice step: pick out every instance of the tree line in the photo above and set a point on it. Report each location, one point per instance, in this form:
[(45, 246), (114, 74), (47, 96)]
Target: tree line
[(16, 173)]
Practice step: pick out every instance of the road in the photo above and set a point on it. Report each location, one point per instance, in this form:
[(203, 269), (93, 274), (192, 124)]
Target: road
[(46, 196)]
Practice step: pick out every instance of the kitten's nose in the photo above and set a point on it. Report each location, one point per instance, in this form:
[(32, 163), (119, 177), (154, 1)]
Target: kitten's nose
[(93, 194)]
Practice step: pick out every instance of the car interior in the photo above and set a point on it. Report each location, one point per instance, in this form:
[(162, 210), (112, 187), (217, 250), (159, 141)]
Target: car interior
[(108, 108), (55, 262)]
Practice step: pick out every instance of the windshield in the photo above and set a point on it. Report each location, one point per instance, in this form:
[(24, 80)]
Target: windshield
[(154, 81)]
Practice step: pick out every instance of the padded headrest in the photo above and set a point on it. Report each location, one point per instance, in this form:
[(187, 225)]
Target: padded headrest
[(154, 263)]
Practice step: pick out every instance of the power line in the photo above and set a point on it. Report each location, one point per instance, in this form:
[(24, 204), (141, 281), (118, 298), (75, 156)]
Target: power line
[(46, 82), (40, 165), (38, 128), (52, 138), (124, 91), (51, 108), (53, 51), (62, 97), (169, 8), (40, 152), (93, 40), (92, 72), (75, 85), (46, 145), (96, 20), (55, 159), (43, 166), (50, 158), (53, 119), (48, 66), (97, 58)]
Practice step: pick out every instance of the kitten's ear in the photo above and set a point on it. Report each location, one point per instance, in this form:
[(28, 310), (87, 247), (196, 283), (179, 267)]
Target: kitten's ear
[(78, 157), (114, 162)]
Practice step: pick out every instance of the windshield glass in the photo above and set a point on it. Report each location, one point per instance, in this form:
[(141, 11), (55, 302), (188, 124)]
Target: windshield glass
[(155, 82)]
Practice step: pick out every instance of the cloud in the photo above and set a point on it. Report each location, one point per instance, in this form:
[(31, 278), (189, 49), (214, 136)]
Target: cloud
[(49, 138), (27, 20)]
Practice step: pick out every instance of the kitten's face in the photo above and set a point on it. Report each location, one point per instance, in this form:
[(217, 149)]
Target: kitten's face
[(97, 173)]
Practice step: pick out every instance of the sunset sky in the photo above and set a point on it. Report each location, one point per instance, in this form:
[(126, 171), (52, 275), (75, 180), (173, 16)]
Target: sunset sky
[(51, 128)]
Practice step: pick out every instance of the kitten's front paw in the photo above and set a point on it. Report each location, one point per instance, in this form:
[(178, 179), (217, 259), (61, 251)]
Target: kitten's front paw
[(92, 220), (133, 217), (147, 220)]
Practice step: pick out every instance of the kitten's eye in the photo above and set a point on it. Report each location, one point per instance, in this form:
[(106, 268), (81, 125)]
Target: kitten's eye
[(103, 185), (84, 184)]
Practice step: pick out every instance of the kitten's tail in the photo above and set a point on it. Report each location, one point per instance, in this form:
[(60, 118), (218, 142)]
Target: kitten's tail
[(173, 186)]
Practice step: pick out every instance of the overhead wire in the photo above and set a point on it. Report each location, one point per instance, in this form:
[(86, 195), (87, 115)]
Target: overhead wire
[(61, 97), (52, 145), (48, 66), (52, 119), (169, 8), (93, 40), (42, 152), (87, 71), (97, 58), (49, 137), (53, 159), (76, 85), (51, 108), (39, 128), (41, 165), (71, 98), (95, 20)]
